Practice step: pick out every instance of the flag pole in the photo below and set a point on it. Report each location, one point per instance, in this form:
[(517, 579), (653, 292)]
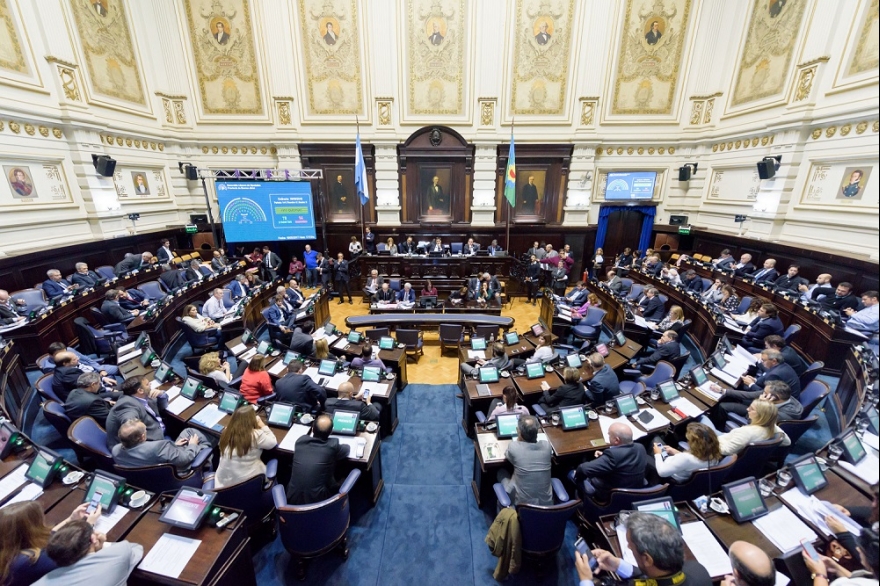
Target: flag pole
[(510, 208), (361, 206)]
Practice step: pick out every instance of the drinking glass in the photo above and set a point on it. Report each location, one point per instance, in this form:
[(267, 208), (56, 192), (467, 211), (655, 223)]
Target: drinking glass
[(609, 407), (766, 487), (655, 393), (861, 426), (555, 419), (783, 477), (834, 453)]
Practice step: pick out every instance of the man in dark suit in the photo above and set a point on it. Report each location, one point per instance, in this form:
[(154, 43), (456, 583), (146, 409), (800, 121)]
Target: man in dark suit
[(85, 278), (132, 263), (494, 248), (604, 384), (776, 391), (407, 295), (325, 271), (84, 399), (789, 282), (193, 273), (789, 355), (577, 296), (767, 274), (668, 348), (408, 247), (342, 277), (301, 339), (132, 298), (744, 266), (276, 315), (219, 261), (529, 196), (314, 462), (164, 254), (10, 312), (839, 299), (294, 294), (620, 466), (471, 247), (385, 294), (56, 286), (499, 360), (614, 284), (299, 389), (135, 451), (766, 324), (651, 305), (171, 278), (271, 264), (774, 368), (652, 37), (348, 401), (692, 282), (725, 261), (67, 372), (114, 312), (139, 402)]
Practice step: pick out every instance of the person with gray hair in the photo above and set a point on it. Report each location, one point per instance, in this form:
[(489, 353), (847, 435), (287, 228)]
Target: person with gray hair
[(620, 466), (239, 287), (56, 286), (85, 401), (530, 458), (658, 549), (85, 278), (773, 367), (214, 307), (775, 391), (134, 451)]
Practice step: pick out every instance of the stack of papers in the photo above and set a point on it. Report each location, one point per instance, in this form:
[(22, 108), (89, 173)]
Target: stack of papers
[(330, 383), (743, 355), (642, 323), (705, 548), (686, 407), (172, 392), (658, 419), (179, 405), (783, 528), (209, 416), (871, 440), (724, 376), (246, 357), (155, 384), (11, 482), (341, 343), (170, 555), (129, 356), (376, 389), (296, 431), (732, 325), (277, 368), (815, 511), (867, 469), (238, 349), (605, 424), (107, 522), (706, 389), (28, 493), (492, 448), (476, 354)]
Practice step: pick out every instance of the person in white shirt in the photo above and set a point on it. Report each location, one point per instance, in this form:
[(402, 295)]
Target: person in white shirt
[(355, 248), (508, 405), (241, 444), (762, 426), (704, 451), (806, 291), (211, 365), (866, 320), (543, 351), (214, 307)]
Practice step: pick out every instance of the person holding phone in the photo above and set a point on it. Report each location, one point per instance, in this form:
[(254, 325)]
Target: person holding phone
[(821, 566), (347, 400)]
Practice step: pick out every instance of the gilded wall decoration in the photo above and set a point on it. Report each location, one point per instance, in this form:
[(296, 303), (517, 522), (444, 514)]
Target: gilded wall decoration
[(12, 55), (867, 53), (383, 111), (67, 76), (108, 50), (707, 111), (651, 48), (225, 58), (588, 111), (32, 182), (169, 115), (697, 112), (541, 56), (332, 48), (436, 37), (769, 47), (284, 117), (805, 83), (179, 112)]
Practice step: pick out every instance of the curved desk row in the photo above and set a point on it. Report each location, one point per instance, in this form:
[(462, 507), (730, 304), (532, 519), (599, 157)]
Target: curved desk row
[(427, 320)]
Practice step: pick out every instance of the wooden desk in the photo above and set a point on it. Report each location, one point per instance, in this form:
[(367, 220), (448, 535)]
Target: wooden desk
[(474, 402), (427, 320), (484, 473), (52, 494), (530, 390), (446, 273), (575, 443), (74, 498), (727, 530), (628, 350), (222, 559)]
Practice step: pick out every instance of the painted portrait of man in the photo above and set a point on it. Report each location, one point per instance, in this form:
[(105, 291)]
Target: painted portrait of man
[(853, 182), (543, 36), (434, 190), (20, 182), (330, 36), (220, 32), (141, 186), (652, 37)]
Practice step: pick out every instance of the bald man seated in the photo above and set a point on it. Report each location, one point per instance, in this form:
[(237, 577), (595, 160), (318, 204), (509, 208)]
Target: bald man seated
[(622, 465), (751, 566)]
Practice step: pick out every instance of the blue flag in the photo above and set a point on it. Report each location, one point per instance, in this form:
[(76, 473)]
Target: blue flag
[(360, 172)]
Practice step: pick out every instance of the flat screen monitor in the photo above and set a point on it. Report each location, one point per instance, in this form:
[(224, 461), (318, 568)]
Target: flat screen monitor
[(873, 420), (808, 475), (630, 185), (626, 405), (853, 450), (345, 422), (189, 508), (719, 361), (281, 415), (44, 467), (603, 350), (8, 438), (290, 356), (744, 499), (534, 370), (621, 339), (371, 374), (537, 329), (573, 360), (229, 401), (355, 337), (668, 391), (428, 300), (511, 338), (142, 341), (147, 356), (190, 388), (488, 374), (109, 486), (163, 373), (478, 343), (663, 508), (699, 375), (260, 211), (507, 425), (246, 336), (725, 343), (573, 418), (386, 343), (263, 347), (329, 329), (327, 368)]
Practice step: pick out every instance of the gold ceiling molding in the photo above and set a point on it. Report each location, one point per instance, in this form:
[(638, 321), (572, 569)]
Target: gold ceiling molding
[(16, 127), (639, 150), (829, 131), (743, 143), (132, 143), (170, 96), (235, 150), (60, 61)]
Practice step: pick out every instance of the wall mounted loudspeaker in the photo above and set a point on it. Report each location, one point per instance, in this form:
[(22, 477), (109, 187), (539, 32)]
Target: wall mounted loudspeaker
[(686, 171), (678, 220), (767, 167), (192, 173), (104, 165)]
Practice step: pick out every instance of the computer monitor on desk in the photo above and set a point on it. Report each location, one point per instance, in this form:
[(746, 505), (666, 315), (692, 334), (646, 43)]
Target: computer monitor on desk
[(428, 300)]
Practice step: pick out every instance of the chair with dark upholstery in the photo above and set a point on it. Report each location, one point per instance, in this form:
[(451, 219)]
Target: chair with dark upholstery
[(44, 387), (631, 387), (744, 304), (412, 340), (456, 247), (542, 528), (590, 326), (626, 286), (635, 291), (34, 299), (619, 499), (154, 290), (790, 332), (200, 342), (752, 459), (811, 373), (376, 333), (486, 331), (253, 496), (89, 441), (703, 481), (679, 361), (663, 371), (228, 301), (163, 477), (94, 340), (812, 395), (209, 382), (106, 271), (451, 336), (55, 414), (795, 428), (310, 531)]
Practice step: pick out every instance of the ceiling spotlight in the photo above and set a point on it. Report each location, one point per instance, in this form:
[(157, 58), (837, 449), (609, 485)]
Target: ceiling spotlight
[(768, 166), (685, 171)]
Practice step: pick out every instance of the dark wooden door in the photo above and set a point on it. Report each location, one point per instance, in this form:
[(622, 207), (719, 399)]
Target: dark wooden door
[(624, 229)]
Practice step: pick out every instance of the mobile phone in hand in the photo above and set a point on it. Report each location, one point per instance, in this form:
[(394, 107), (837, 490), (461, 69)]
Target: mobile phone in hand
[(581, 546), (810, 550), (93, 504)]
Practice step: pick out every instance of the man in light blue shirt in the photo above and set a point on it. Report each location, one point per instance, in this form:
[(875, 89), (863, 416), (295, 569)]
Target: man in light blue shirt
[(806, 291), (866, 320)]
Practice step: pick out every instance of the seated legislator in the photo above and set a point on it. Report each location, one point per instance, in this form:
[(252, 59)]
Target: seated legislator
[(210, 365), (704, 451), (385, 295), (239, 287), (429, 289), (668, 348), (368, 359), (255, 382), (714, 293), (653, 266), (193, 273), (494, 248), (134, 451), (729, 301), (408, 247), (214, 308), (499, 360), (789, 355), (625, 259), (11, 311), (692, 282), (24, 535), (139, 402), (673, 320), (218, 261), (603, 385), (651, 305), (84, 400), (658, 548), (133, 262), (789, 282), (614, 284), (390, 246), (570, 392), (277, 315), (763, 416), (83, 556), (202, 325), (114, 312), (172, 278), (299, 389), (461, 295), (86, 364), (866, 548), (773, 367), (373, 283), (543, 351), (406, 295), (507, 406), (301, 339), (253, 280), (777, 392), (56, 286), (347, 400), (132, 299), (241, 445), (577, 296), (725, 261), (295, 295), (255, 258), (767, 274), (470, 247), (806, 291), (839, 299), (750, 566), (581, 311), (744, 266), (85, 278), (622, 465), (767, 323), (867, 320), (312, 476), (436, 245), (66, 373), (671, 276), (322, 350), (530, 482)]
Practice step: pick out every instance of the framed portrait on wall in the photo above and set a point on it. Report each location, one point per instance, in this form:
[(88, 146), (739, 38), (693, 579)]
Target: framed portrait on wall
[(853, 182), (435, 199), (340, 195), (20, 181), (530, 193), (141, 183)]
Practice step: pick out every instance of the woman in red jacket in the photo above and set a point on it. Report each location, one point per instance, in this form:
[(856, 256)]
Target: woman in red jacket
[(255, 382)]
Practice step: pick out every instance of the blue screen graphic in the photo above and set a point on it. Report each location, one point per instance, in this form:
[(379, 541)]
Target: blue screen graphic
[(259, 211), (630, 185)]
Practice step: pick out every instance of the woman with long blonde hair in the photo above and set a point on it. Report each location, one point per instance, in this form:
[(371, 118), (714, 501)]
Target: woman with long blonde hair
[(241, 445), (763, 416), (322, 349)]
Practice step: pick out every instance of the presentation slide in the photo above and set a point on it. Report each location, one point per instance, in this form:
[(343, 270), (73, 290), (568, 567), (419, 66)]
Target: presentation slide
[(622, 185), (261, 211)]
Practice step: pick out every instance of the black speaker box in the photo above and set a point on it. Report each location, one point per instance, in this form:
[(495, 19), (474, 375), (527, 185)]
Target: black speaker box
[(767, 169), (684, 173), (192, 173), (678, 220), (104, 165)]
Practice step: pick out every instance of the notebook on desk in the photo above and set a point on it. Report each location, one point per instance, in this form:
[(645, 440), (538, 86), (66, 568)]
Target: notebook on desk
[(484, 390)]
